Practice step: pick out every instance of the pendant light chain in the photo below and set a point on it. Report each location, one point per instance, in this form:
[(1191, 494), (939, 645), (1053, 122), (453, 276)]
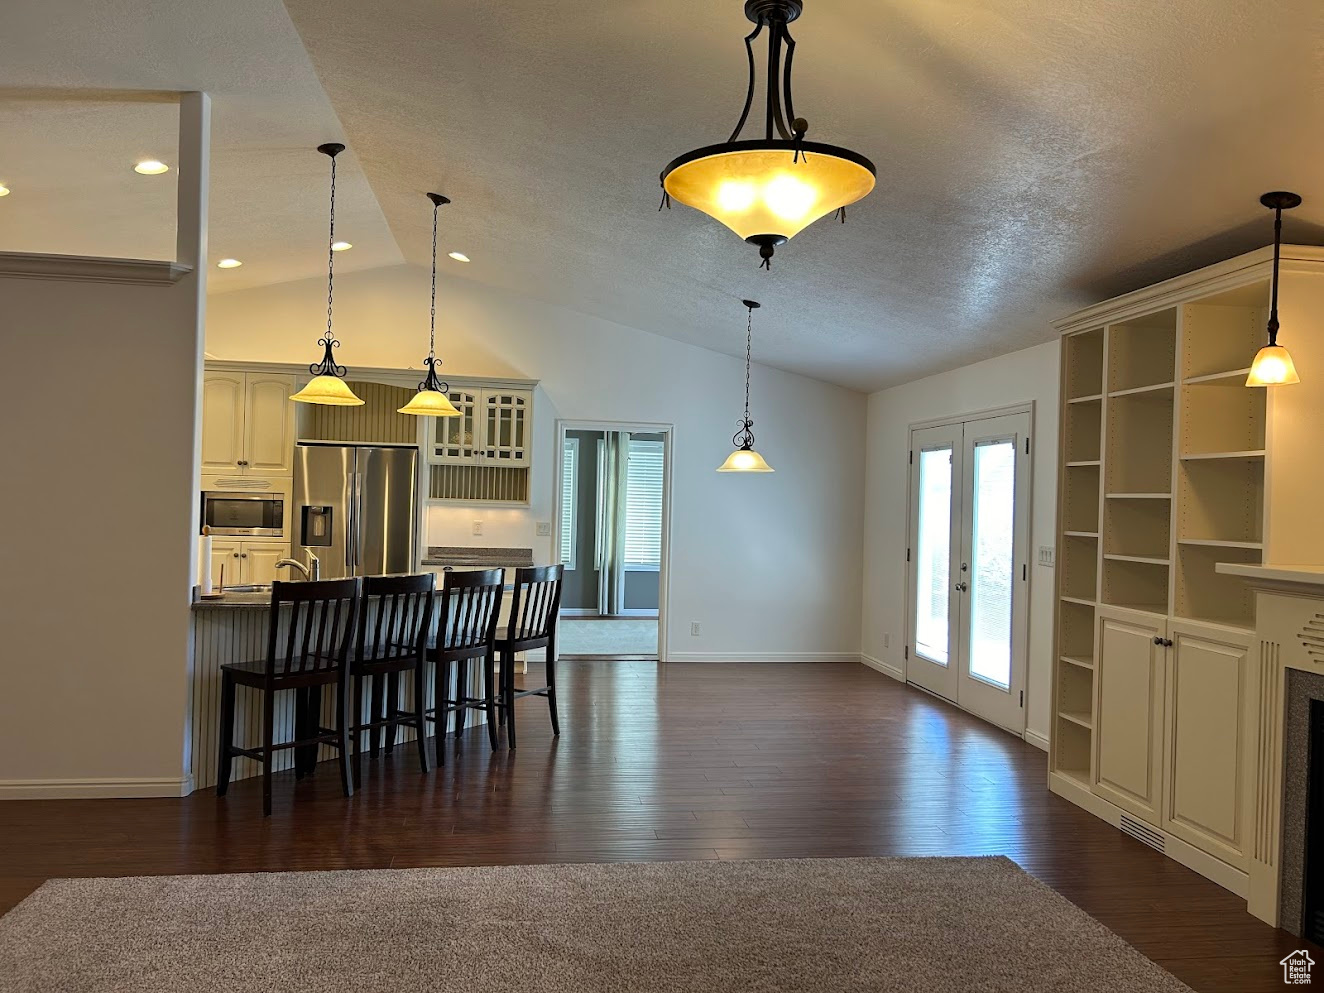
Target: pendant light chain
[(1277, 244), (331, 253), (749, 345), (432, 325)]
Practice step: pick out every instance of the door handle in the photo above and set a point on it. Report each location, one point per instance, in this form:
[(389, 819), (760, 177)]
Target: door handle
[(961, 587)]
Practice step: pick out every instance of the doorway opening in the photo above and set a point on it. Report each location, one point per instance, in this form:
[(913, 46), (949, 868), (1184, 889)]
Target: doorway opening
[(968, 560), (613, 490)]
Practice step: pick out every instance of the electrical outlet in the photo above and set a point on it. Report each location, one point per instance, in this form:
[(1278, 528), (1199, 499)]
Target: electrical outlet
[(478, 527), (887, 641), (1047, 556), (544, 529), (694, 629)]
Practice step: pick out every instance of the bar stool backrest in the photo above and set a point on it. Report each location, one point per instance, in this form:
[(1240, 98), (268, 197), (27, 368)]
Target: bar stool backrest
[(536, 603), (402, 623), (470, 609), (318, 627)]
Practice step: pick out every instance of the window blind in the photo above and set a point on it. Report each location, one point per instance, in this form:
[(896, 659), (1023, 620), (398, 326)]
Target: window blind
[(569, 498), (643, 505)]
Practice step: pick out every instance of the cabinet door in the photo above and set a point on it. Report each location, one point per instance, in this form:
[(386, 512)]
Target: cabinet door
[(506, 427), (1128, 710), (222, 421), (268, 425), (259, 560), (455, 439), (226, 553), (1206, 731)]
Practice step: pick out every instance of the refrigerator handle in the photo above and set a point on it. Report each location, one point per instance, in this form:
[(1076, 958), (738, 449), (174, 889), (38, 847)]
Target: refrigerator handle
[(350, 529), (358, 513)]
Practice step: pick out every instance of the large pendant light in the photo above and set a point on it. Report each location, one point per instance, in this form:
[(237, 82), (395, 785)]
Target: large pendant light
[(328, 384), (431, 399), (744, 458), (1273, 365), (769, 189)]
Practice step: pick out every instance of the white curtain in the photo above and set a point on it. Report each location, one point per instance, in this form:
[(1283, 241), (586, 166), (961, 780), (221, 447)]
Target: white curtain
[(613, 464)]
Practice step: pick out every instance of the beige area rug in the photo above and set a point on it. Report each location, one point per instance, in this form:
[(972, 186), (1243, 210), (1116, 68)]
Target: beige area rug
[(785, 926)]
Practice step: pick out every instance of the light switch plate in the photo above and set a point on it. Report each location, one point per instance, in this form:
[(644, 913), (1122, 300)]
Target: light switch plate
[(1047, 556), (478, 527), (543, 529), (694, 629)]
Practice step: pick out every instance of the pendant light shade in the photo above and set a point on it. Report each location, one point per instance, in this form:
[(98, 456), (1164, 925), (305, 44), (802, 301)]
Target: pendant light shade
[(431, 399), (770, 189), (328, 386), (744, 458), (1273, 365)]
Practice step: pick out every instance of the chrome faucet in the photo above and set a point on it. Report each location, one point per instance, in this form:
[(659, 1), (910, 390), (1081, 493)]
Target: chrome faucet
[(314, 574)]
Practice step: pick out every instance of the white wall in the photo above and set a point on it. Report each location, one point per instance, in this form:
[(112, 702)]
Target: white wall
[(99, 386), (769, 565), (1030, 374)]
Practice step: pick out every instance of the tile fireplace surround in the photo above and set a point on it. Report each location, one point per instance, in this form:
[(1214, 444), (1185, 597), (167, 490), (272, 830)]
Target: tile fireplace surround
[(1286, 675)]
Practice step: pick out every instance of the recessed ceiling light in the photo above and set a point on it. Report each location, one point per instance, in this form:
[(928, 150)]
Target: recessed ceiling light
[(150, 167), (228, 264), (4, 190), (459, 256), (341, 246)]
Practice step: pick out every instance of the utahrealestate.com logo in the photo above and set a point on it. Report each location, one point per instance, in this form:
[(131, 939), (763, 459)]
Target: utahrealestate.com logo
[(1296, 968)]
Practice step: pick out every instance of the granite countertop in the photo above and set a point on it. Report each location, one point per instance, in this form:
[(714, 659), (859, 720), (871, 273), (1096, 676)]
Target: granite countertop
[(469, 556)]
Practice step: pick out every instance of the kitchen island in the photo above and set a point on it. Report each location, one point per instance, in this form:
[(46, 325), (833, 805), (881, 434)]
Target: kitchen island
[(235, 628)]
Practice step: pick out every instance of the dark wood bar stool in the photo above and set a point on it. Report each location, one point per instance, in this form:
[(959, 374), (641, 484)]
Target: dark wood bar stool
[(534, 608), (466, 629), (314, 652), (395, 623)]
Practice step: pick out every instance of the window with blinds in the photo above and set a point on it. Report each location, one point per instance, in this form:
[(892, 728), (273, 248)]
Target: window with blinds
[(569, 499), (643, 505)]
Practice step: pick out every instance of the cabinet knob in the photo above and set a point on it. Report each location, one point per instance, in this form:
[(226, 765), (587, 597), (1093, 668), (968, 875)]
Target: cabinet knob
[(1158, 640), (244, 556), (236, 555)]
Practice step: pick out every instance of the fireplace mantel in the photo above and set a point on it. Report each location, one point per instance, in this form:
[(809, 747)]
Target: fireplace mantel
[(1289, 625)]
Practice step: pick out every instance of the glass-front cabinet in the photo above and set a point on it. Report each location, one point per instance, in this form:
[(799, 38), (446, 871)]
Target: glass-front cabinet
[(495, 428)]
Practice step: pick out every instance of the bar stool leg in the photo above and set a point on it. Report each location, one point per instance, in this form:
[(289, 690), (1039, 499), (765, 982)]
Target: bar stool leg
[(268, 741), (420, 704), (356, 732), (508, 672), (343, 732), (375, 734), (440, 705), (392, 709), (224, 757), (490, 699), (461, 694), (551, 687)]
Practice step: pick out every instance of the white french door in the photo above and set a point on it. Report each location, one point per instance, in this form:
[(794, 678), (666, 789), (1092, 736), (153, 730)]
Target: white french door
[(969, 564)]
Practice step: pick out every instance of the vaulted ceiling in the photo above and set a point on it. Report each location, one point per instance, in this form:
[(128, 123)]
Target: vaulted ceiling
[(1033, 156)]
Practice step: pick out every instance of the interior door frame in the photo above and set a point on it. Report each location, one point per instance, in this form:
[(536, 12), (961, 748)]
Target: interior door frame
[(1021, 619), (667, 431)]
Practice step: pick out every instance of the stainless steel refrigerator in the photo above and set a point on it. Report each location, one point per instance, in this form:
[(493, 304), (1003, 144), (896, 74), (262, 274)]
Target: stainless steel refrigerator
[(356, 508)]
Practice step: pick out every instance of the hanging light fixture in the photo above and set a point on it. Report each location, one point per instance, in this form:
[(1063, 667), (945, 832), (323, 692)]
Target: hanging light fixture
[(1273, 365), (328, 385), (431, 399), (744, 458), (769, 189)]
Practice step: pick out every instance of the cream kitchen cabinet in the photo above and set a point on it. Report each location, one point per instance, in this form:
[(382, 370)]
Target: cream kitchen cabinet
[(247, 423), (495, 427), (247, 562), (1131, 649)]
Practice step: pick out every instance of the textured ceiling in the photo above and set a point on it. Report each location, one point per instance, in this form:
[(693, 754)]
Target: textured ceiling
[(68, 153), (1033, 156)]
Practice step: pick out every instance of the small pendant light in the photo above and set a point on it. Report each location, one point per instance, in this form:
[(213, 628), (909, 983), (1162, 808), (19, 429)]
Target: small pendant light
[(328, 385), (744, 458), (1273, 364), (431, 399)]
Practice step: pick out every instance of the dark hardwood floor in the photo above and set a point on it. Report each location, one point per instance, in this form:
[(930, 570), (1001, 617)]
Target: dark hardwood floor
[(683, 762)]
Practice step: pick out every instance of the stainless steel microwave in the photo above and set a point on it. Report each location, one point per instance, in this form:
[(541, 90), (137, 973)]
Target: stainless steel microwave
[(258, 515)]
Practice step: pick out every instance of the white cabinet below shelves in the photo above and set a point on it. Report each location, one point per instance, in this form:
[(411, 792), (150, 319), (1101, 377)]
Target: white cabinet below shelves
[(247, 423), (495, 428)]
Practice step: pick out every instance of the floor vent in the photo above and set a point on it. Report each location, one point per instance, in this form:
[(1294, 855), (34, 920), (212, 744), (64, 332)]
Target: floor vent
[(1142, 833)]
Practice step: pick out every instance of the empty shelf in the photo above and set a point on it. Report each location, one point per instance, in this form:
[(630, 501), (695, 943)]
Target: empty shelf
[(1136, 390), (1080, 777), (1138, 496), (1089, 399), (1233, 377), (1080, 600), (1249, 455), (1077, 718), (1220, 543), (1084, 462), (1146, 559), (1080, 534), (1077, 661), (1157, 609)]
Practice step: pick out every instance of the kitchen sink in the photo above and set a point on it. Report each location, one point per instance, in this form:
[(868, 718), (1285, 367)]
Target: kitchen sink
[(249, 588)]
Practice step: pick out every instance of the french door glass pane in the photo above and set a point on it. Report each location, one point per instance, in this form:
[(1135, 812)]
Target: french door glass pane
[(992, 571), (934, 551)]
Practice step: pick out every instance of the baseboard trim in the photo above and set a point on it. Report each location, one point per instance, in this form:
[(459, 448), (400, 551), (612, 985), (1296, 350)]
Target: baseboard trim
[(883, 667), (763, 657), (1039, 741), (93, 789)]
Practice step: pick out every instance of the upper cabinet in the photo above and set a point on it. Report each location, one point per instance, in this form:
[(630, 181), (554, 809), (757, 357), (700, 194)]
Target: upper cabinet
[(494, 428), (247, 423)]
